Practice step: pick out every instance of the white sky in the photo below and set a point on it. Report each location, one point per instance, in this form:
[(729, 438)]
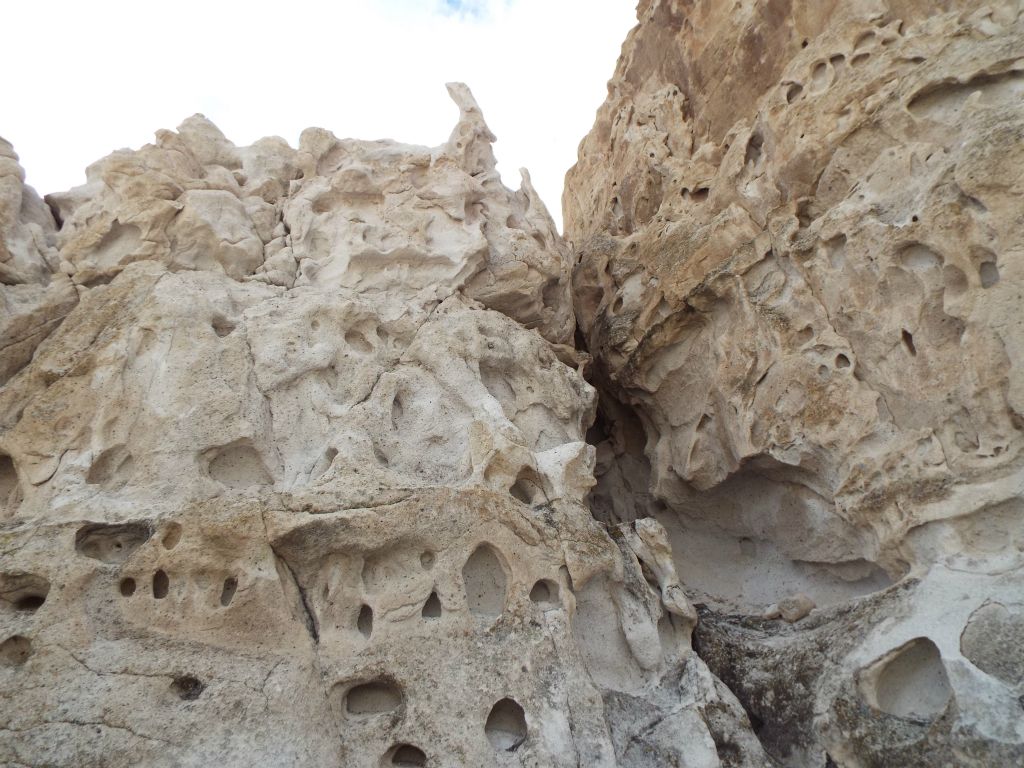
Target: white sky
[(84, 78)]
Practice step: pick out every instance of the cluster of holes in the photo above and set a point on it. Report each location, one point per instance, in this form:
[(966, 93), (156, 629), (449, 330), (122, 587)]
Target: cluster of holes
[(505, 727), (161, 583), (21, 593), (114, 543), (841, 362), (485, 582)]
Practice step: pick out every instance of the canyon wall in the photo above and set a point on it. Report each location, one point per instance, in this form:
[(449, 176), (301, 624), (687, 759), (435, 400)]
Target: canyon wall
[(800, 263)]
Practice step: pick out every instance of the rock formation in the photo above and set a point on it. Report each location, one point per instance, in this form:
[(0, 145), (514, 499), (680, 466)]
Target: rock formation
[(342, 456), (800, 252), (300, 479)]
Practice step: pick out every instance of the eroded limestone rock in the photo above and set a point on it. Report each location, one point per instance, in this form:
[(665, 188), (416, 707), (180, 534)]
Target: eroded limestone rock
[(300, 479), (797, 228)]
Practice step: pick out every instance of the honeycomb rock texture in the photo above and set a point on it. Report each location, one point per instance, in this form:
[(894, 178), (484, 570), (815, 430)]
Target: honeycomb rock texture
[(340, 455), (799, 270), (293, 472)]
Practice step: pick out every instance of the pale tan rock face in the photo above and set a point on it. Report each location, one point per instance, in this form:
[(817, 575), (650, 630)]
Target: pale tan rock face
[(33, 300), (374, 216), (300, 479), (800, 255)]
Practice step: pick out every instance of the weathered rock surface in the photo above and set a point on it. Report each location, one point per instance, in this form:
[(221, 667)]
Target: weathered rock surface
[(299, 466), (800, 253), (300, 478)]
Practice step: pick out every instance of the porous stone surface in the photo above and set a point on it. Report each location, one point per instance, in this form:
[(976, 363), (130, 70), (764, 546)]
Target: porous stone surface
[(339, 455), (293, 472), (800, 263)]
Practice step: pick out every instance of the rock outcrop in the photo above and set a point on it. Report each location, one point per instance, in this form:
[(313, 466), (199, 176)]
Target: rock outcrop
[(800, 253), (300, 479), (340, 455)]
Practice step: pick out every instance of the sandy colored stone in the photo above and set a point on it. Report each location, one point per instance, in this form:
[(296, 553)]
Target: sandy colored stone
[(340, 455), (293, 471), (797, 228)]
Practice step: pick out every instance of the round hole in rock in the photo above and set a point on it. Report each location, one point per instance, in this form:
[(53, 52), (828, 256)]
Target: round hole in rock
[(239, 466), (161, 585), (172, 536), (227, 593), (528, 487), (373, 698), (365, 621), (15, 650), (842, 361), (989, 274), (30, 603), (408, 755), (506, 725), (127, 587), (23, 592), (485, 581), (545, 592), (993, 641), (909, 682), (187, 687), (427, 560), (222, 326), (432, 608)]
